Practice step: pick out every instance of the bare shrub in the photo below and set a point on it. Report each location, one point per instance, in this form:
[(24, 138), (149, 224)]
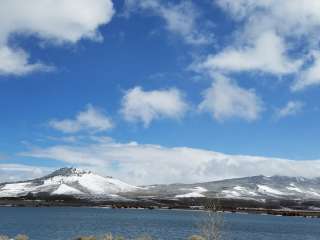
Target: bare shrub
[(213, 221), (2, 237), (107, 236)]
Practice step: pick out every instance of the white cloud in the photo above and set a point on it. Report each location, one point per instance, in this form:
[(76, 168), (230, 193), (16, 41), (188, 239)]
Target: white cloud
[(225, 99), (241, 8), (16, 61), (292, 108), (310, 76), (51, 20), (146, 106), (267, 54), (92, 119), (16, 172), (287, 17), (180, 18), (149, 164), (272, 36)]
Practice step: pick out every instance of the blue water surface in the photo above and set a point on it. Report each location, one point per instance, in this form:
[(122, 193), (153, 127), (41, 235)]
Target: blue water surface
[(68, 223)]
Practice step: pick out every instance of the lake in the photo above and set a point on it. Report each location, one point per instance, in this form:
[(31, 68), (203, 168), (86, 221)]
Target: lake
[(67, 223)]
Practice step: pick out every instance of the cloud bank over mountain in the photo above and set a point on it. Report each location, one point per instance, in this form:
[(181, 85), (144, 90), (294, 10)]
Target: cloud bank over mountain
[(147, 164)]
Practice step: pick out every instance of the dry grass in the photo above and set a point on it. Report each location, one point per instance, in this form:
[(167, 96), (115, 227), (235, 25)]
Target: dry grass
[(107, 236), (18, 237), (196, 237), (21, 237)]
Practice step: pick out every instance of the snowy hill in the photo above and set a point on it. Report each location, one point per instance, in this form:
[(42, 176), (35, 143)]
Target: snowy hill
[(79, 183), (257, 188), (68, 181)]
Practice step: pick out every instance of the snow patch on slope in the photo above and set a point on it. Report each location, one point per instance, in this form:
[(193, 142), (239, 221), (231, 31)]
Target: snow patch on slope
[(14, 189), (294, 188), (245, 191), (64, 189), (196, 192), (268, 190), (314, 193), (231, 194), (93, 184)]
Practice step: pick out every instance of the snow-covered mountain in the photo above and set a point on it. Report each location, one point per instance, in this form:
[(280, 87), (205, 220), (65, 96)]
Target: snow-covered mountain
[(75, 182), (68, 181), (257, 188)]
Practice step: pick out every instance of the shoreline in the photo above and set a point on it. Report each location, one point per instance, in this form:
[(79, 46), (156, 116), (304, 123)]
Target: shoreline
[(253, 211)]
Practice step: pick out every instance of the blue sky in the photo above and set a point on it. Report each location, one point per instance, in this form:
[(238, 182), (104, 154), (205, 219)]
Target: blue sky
[(214, 75)]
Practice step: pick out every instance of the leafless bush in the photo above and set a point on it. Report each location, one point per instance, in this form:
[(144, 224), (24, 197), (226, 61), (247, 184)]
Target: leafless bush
[(212, 222), (2, 237), (107, 236)]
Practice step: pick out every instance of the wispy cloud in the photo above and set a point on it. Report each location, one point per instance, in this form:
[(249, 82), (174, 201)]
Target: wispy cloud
[(291, 108), (183, 18), (310, 76), (17, 172), (91, 119), (16, 62), (259, 16)]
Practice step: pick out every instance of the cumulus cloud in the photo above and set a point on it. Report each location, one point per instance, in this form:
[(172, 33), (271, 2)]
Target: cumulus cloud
[(91, 119), (17, 172), (149, 164), (181, 18), (291, 108), (266, 54), (272, 36), (309, 76), (146, 106), (56, 21), (225, 99), (288, 17)]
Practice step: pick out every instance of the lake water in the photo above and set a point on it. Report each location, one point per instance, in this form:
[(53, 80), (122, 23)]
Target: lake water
[(67, 223)]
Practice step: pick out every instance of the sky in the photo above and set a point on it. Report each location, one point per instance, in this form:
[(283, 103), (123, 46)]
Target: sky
[(160, 91)]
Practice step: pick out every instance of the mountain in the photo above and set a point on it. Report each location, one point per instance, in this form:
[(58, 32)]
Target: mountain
[(79, 183), (67, 181), (257, 188)]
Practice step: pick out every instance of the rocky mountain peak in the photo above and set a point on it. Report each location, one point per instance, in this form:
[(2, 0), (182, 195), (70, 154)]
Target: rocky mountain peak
[(68, 171)]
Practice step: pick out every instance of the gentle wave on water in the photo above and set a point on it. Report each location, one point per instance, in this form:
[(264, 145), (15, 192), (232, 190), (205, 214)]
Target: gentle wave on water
[(67, 223)]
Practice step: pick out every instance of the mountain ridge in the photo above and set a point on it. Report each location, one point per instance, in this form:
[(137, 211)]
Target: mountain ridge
[(83, 183)]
